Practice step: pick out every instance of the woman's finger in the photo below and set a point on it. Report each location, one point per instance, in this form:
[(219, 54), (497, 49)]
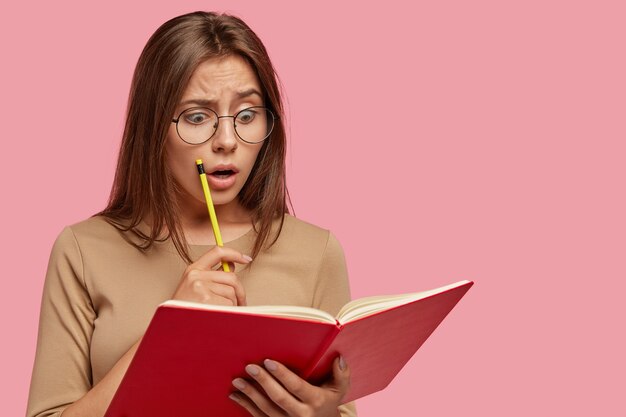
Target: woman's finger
[(218, 254), (225, 291), (260, 401), (209, 292), (340, 383), (275, 391), (226, 278), (220, 267), (246, 403), (292, 382)]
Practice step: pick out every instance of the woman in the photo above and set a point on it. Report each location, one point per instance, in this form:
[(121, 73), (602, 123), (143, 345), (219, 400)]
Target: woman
[(204, 88)]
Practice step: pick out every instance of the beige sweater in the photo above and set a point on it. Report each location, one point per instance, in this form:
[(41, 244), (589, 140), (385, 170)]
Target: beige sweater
[(100, 294)]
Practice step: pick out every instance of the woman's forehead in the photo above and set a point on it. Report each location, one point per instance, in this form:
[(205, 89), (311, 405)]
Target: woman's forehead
[(252, 94), (224, 77)]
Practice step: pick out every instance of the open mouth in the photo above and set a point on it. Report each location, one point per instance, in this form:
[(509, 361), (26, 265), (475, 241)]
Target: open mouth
[(223, 174)]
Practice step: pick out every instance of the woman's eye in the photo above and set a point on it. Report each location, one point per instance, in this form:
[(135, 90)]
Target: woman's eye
[(246, 116), (197, 118)]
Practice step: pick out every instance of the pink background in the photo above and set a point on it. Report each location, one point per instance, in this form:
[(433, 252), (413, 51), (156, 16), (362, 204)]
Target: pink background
[(456, 140)]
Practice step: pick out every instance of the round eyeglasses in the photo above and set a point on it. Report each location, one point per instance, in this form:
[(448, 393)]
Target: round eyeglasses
[(198, 124)]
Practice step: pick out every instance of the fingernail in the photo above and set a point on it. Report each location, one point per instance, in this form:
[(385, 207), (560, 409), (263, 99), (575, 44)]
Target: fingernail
[(342, 363), (239, 383), (247, 258), (270, 365), (252, 370), (234, 397)]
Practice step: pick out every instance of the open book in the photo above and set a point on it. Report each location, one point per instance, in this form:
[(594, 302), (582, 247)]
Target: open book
[(191, 352)]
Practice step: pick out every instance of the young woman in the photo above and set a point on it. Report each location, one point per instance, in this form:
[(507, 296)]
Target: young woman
[(204, 88)]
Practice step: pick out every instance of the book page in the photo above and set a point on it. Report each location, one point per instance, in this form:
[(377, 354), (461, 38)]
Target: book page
[(296, 312), (353, 310), (366, 306)]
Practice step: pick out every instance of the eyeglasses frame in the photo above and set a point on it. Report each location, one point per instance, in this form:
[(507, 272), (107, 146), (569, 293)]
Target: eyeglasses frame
[(234, 117)]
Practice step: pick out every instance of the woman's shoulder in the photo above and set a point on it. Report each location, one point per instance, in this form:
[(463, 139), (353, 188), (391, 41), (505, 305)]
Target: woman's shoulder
[(94, 226), (96, 231), (93, 235), (308, 242), (296, 227)]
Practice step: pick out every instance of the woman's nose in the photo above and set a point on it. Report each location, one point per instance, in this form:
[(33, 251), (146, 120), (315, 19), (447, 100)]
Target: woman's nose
[(225, 138)]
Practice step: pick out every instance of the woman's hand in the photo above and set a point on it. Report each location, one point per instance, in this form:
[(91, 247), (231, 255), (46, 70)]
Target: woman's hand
[(286, 394), (200, 283)]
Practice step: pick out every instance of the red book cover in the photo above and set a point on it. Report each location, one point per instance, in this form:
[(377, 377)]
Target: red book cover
[(189, 355), (378, 346)]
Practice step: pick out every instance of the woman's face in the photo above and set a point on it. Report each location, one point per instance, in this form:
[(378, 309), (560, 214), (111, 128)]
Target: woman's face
[(217, 84)]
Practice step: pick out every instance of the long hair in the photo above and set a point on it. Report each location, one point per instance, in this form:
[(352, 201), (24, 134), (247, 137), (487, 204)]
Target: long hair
[(143, 185)]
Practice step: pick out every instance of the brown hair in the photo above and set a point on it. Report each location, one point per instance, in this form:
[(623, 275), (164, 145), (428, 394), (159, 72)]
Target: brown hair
[(143, 186)]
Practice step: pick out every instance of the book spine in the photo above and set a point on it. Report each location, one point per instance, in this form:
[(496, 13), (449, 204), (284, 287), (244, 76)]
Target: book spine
[(322, 351)]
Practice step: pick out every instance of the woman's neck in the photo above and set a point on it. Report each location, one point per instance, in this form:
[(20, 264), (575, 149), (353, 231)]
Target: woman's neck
[(196, 214), (234, 221), (195, 220)]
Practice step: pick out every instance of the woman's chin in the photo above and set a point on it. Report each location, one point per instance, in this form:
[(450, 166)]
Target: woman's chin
[(221, 198)]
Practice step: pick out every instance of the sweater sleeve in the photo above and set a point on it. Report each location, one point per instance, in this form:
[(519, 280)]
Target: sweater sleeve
[(62, 368), (332, 289), (333, 292)]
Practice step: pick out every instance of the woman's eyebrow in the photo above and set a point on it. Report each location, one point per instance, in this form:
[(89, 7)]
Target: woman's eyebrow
[(239, 94)]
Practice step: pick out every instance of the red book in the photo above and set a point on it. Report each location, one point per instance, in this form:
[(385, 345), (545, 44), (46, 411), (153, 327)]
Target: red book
[(191, 352)]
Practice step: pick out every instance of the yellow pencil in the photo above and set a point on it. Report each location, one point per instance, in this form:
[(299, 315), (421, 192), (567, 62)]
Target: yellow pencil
[(209, 204)]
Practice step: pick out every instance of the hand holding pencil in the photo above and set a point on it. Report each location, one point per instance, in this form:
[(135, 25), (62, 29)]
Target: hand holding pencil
[(200, 283)]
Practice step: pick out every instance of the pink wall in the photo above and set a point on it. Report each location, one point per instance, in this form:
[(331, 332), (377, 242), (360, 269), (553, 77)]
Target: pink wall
[(452, 140)]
